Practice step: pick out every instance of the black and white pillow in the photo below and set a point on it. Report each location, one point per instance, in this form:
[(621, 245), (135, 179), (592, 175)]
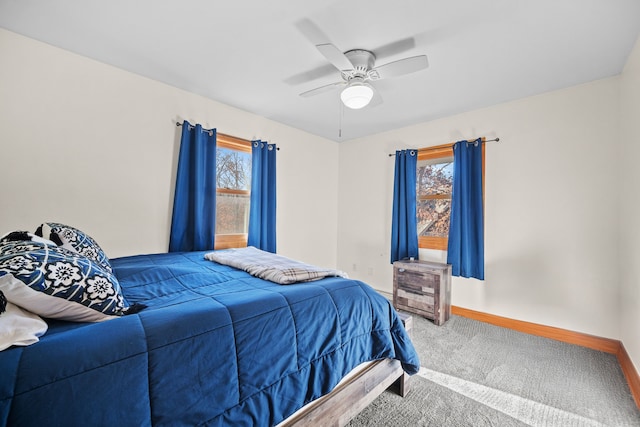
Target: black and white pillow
[(21, 236), (55, 282), (75, 240)]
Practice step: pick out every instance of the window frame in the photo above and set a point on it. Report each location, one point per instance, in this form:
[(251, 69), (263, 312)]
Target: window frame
[(232, 240), (433, 153)]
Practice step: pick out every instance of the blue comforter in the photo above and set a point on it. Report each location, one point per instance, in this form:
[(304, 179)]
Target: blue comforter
[(215, 346)]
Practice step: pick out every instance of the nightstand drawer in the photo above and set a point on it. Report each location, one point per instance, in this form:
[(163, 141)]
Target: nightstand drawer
[(414, 305), (421, 281), (416, 288), (425, 300)]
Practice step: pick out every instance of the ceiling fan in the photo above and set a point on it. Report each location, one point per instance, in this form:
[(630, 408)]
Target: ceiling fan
[(357, 68)]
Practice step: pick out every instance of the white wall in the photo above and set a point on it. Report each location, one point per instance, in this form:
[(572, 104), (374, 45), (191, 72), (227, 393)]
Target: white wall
[(96, 147), (629, 155), (550, 203)]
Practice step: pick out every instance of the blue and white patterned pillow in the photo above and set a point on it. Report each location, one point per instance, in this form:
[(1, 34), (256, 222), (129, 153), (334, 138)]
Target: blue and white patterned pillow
[(75, 240), (55, 282)]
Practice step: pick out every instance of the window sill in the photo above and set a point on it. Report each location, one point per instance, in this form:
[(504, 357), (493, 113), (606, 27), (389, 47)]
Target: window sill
[(436, 243), (226, 241)]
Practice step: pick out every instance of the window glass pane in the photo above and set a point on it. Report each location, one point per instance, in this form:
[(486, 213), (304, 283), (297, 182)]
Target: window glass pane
[(434, 178), (433, 217), (233, 169), (232, 213)]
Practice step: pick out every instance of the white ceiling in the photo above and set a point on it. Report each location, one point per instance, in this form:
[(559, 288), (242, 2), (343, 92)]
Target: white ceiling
[(259, 55)]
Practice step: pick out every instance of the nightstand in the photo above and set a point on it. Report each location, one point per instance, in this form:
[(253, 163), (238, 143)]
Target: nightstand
[(423, 288)]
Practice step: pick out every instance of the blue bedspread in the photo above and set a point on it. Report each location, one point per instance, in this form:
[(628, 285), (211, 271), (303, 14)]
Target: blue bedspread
[(215, 346)]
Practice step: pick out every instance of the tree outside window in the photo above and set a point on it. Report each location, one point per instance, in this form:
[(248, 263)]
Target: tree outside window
[(434, 178), (434, 184), (233, 182)]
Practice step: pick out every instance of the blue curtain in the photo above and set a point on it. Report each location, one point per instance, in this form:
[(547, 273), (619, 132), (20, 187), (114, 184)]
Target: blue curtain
[(404, 230), (262, 211), (466, 231), (193, 225)]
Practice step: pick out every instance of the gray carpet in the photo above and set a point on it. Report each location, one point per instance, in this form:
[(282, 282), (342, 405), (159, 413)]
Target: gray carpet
[(476, 374)]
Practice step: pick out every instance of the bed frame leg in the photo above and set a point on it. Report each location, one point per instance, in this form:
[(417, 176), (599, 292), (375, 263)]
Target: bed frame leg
[(403, 385)]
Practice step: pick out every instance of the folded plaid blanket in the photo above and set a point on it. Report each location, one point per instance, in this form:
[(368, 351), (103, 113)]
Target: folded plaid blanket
[(272, 267)]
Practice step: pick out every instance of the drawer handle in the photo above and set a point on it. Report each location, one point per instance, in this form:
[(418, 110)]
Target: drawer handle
[(401, 270)]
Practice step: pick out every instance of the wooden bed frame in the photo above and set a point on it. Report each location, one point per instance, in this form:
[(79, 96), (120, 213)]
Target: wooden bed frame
[(350, 397)]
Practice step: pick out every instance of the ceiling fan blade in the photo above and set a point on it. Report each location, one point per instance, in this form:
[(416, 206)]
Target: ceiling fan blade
[(335, 56), (311, 31), (317, 37), (314, 74), (321, 89), (394, 48), (400, 67)]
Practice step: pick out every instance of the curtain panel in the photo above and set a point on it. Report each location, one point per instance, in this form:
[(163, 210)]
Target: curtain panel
[(465, 250), (262, 210), (193, 223), (404, 228)]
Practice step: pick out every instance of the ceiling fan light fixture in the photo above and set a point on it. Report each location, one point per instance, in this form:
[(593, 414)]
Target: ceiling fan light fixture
[(357, 95)]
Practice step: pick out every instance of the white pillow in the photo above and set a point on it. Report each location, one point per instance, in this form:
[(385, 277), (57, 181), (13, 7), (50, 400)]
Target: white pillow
[(20, 327)]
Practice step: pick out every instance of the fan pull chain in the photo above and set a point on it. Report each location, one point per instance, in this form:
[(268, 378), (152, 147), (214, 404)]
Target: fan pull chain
[(340, 119)]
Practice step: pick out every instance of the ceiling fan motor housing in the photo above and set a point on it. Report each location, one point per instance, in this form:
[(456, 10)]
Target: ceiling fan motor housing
[(362, 60)]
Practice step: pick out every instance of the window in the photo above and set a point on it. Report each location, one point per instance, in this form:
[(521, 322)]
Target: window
[(434, 182), (434, 178), (233, 182)]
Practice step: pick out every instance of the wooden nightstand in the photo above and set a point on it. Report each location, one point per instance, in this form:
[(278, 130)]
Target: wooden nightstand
[(423, 288)]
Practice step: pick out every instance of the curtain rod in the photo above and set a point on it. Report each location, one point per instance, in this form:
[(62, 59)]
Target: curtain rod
[(210, 132), (466, 140)]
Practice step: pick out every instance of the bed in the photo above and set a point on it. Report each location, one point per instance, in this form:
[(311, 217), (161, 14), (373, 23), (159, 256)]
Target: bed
[(212, 346)]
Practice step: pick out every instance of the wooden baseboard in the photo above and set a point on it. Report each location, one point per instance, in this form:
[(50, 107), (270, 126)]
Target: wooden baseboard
[(630, 373), (585, 340), (590, 341)]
